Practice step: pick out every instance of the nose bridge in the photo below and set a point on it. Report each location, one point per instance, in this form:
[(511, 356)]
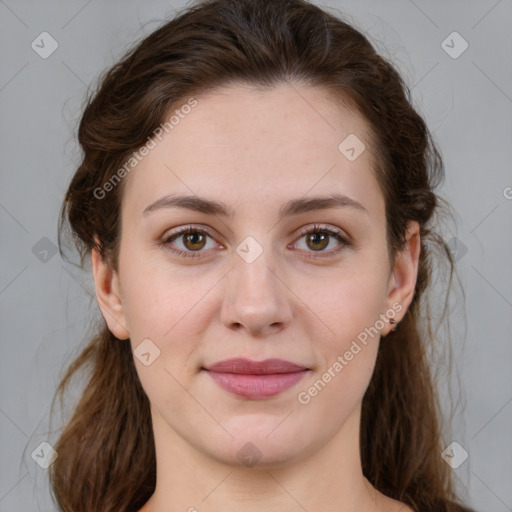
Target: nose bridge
[(256, 298), (255, 283)]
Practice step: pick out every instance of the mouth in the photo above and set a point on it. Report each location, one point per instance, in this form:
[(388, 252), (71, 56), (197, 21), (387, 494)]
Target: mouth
[(255, 379)]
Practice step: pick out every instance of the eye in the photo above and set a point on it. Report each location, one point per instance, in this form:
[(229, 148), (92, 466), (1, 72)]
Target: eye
[(319, 237), (193, 240)]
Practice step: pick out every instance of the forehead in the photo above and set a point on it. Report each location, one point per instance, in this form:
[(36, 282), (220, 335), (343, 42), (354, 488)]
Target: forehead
[(244, 143)]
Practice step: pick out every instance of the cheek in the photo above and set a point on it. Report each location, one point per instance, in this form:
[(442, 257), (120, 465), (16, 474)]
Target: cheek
[(351, 307), (335, 393), (348, 349), (350, 302), (157, 300), (165, 310)]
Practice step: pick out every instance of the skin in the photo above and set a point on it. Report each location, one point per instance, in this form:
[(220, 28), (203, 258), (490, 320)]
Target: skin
[(255, 150)]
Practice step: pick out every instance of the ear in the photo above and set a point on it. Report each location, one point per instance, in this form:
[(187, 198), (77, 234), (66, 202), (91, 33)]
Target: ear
[(402, 283), (106, 283)]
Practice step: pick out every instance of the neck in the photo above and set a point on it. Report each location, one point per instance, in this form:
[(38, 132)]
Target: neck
[(329, 478)]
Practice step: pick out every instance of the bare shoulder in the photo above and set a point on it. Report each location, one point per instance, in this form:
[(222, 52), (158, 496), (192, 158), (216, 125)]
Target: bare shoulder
[(391, 505), (398, 506), (401, 507), (404, 508)]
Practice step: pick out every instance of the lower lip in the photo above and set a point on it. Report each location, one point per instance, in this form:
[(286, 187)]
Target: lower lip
[(256, 386)]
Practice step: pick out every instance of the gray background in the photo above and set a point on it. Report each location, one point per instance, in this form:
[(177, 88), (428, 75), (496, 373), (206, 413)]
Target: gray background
[(46, 305)]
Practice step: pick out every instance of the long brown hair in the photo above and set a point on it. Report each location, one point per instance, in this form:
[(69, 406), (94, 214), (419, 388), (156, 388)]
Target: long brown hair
[(106, 455)]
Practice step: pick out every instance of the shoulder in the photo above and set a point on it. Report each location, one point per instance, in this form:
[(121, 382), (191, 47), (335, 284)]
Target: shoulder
[(455, 507), (444, 507)]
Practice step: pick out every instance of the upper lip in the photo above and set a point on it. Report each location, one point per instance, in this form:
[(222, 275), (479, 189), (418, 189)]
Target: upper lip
[(249, 367)]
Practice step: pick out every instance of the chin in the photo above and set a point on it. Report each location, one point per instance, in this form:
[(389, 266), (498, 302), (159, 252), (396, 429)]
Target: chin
[(261, 444)]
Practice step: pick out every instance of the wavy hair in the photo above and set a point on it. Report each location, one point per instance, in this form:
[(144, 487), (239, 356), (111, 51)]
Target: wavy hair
[(106, 450)]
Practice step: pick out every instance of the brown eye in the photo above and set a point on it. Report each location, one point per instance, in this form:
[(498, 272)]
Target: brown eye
[(188, 242), (318, 238), (317, 241), (194, 240)]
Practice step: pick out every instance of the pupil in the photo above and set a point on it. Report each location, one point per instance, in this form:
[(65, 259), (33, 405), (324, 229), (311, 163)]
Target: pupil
[(323, 236), (194, 237)]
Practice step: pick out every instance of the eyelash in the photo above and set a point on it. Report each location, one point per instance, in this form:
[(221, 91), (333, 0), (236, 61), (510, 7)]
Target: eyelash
[(312, 230)]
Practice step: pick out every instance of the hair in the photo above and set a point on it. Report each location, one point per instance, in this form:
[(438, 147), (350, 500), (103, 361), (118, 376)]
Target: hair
[(106, 455)]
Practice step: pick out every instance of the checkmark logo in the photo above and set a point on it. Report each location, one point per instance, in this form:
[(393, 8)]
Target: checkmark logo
[(351, 147), (44, 250), (249, 249), (44, 455), (146, 352), (44, 45), (454, 45), (249, 455), (454, 455)]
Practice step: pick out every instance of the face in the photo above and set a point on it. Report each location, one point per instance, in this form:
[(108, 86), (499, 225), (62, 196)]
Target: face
[(274, 276)]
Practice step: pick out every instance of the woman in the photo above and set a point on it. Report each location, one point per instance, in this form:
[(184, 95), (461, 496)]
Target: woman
[(257, 196)]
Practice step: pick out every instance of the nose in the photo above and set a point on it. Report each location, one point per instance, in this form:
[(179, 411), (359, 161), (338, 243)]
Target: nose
[(257, 298)]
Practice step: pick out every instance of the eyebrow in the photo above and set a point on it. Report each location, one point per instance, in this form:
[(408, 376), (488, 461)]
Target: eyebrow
[(292, 207)]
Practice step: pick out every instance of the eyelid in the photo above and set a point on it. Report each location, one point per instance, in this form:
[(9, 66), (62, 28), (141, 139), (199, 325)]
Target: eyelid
[(188, 228), (323, 227), (166, 240), (333, 232)]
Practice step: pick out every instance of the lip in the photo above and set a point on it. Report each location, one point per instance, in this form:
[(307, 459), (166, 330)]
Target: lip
[(256, 379), (240, 365)]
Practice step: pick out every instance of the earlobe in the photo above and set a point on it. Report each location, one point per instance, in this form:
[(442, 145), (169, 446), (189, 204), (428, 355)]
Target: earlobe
[(106, 283), (405, 272)]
